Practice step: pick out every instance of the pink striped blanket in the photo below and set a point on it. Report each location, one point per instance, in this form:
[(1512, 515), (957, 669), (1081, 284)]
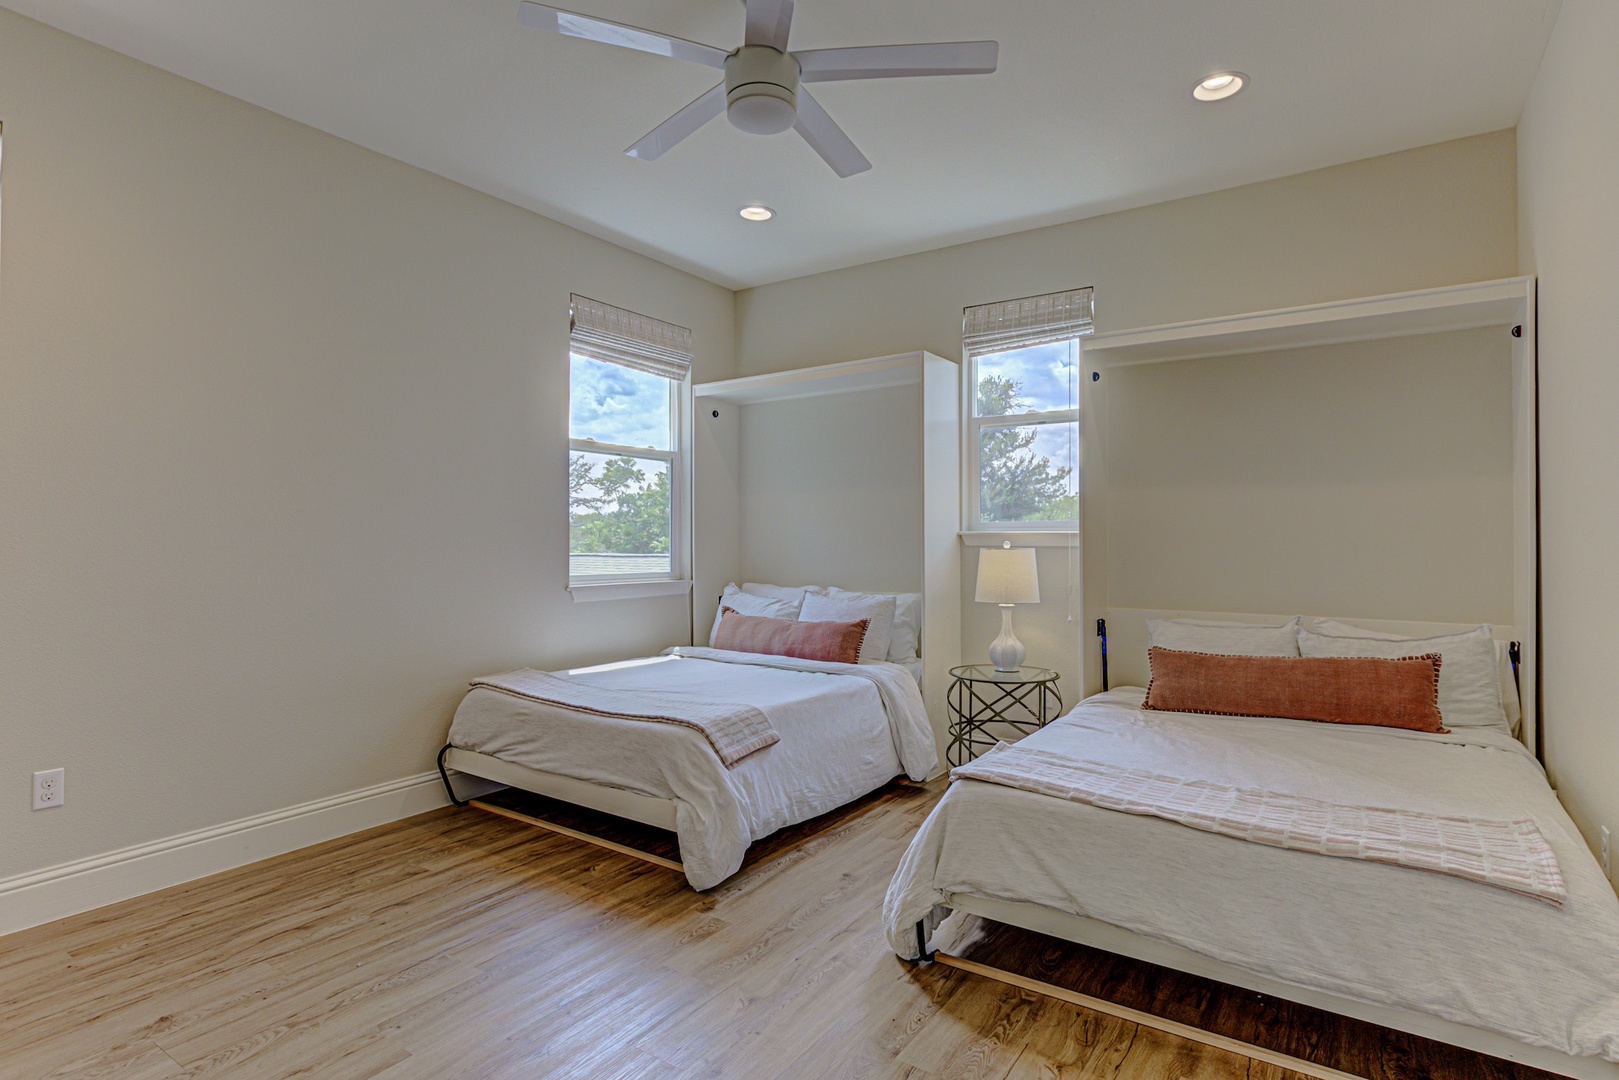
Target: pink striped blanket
[(734, 730), (1510, 855)]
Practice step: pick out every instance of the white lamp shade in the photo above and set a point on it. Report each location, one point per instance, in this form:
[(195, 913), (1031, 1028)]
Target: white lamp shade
[(1007, 576)]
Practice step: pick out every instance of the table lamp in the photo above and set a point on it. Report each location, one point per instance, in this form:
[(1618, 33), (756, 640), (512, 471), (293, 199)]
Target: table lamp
[(1006, 576)]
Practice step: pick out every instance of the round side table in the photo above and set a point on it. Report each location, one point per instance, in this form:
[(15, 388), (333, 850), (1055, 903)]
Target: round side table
[(1026, 699)]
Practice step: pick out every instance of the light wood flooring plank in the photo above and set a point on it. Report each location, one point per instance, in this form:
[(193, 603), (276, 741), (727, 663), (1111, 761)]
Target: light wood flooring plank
[(83, 1059)]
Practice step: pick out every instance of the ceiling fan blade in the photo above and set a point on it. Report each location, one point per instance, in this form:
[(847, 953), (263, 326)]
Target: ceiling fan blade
[(898, 61), (768, 23), (653, 145), (826, 138), (591, 28)]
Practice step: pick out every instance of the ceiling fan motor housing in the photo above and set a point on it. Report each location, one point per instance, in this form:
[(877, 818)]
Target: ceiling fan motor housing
[(761, 90)]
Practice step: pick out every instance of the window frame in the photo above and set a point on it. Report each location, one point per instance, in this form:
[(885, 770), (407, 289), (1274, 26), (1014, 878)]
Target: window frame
[(973, 427), (678, 577)]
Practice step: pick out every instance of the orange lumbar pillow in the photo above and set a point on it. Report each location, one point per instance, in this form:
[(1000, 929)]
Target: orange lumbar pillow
[(838, 642), (1402, 693)]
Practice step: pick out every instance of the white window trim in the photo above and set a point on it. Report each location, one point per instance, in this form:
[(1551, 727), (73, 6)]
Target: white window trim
[(1002, 326), (629, 590), (985, 538), (678, 579)]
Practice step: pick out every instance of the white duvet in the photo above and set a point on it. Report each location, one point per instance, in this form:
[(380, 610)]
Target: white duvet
[(845, 730), (1461, 950)]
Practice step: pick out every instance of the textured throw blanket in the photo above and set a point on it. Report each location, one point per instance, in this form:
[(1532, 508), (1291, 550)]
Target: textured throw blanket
[(734, 730), (1510, 855), (901, 697)]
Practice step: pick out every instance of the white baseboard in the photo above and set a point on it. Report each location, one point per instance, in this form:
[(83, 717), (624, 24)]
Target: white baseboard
[(41, 896)]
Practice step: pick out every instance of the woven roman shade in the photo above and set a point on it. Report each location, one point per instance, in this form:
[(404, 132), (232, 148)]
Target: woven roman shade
[(1032, 320), (612, 334)]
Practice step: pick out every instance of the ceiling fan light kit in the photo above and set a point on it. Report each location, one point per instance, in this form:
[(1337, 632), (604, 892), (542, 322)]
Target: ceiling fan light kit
[(761, 94), (761, 90)]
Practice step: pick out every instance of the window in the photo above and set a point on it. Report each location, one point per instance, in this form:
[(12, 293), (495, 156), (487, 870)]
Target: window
[(626, 379), (1022, 403)]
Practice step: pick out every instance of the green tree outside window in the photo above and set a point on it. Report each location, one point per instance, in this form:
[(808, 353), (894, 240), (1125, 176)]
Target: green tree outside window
[(1015, 482)]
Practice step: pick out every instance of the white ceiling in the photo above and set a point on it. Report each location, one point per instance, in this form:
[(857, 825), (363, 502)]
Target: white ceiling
[(1090, 111)]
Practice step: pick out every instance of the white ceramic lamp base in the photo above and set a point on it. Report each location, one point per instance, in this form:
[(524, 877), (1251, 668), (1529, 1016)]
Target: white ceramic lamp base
[(1007, 652)]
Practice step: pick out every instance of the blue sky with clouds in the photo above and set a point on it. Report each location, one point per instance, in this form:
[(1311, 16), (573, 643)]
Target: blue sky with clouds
[(611, 403), (1049, 373)]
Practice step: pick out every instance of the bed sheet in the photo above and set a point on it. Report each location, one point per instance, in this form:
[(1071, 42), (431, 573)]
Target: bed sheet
[(837, 743), (913, 666), (1467, 952)]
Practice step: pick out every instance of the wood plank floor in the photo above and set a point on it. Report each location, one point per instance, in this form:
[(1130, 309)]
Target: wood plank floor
[(462, 944)]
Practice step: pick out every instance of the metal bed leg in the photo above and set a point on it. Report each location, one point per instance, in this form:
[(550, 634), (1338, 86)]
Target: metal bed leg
[(445, 776), (923, 955)]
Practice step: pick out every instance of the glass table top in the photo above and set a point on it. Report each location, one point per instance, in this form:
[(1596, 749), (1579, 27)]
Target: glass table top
[(987, 673)]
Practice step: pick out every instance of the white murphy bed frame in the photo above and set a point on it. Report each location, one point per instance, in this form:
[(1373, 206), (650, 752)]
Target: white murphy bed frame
[(1112, 939), (1507, 304), (790, 439), (844, 474)]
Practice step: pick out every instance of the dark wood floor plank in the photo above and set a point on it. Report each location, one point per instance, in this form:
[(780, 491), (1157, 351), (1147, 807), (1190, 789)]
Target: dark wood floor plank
[(1337, 1042)]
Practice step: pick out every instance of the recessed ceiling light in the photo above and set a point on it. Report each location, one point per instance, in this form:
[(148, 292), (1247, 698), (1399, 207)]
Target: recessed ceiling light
[(756, 213), (1219, 86)]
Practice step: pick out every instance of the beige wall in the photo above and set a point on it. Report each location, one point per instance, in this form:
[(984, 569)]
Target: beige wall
[(1370, 480), (1437, 215), (832, 490), (282, 445), (1568, 154)]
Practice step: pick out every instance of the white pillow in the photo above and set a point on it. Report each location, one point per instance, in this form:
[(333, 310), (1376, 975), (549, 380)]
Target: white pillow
[(906, 644), (1224, 638), (1334, 628), (819, 607), (1510, 705), (795, 593), (1469, 683), (906, 641), (748, 604)]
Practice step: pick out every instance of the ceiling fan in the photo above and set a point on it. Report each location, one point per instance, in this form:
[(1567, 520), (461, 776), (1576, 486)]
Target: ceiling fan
[(762, 92)]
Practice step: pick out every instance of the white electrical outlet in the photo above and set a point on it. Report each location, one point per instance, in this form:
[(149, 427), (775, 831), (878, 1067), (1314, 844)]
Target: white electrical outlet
[(1606, 866), (50, 788)]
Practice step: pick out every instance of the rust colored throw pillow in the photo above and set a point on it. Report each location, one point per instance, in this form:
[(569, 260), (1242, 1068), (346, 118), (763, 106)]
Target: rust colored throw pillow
[(838, 642), (1400, 693)]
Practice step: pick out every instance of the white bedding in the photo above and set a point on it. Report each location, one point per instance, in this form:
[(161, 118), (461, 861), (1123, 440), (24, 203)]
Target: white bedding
[(912, 665), (837, 743), (1457, 949)]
